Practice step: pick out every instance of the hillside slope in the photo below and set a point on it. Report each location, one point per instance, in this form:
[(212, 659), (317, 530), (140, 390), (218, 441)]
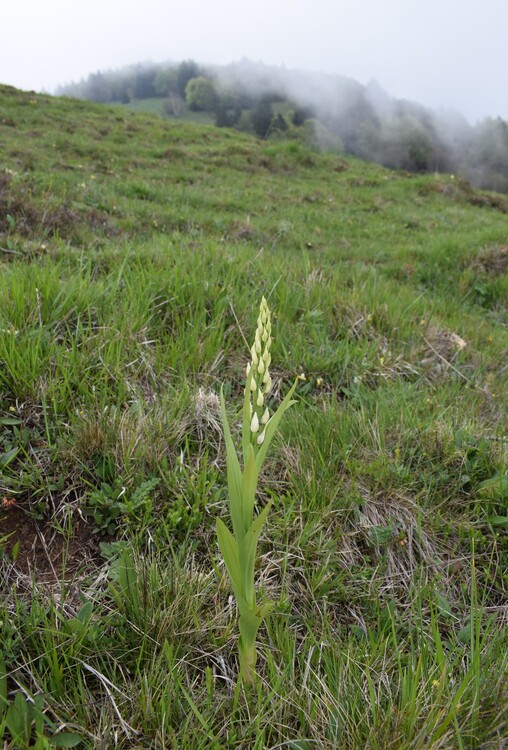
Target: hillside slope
[(134, 254)]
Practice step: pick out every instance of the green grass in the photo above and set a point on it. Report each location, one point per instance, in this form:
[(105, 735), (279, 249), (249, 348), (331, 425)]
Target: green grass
[(157, 106), (134, 253)]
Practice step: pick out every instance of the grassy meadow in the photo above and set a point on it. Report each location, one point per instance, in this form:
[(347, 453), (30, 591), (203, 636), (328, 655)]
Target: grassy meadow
[(134, 254)]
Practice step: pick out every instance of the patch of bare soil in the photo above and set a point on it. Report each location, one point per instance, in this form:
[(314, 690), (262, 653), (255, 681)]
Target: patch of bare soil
[(37, 548), (463, 192), (492, 260), (441, 352), (18, 208)]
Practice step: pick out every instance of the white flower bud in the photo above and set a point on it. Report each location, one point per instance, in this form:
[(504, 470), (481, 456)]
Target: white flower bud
[(253, 385), (264, 337), (254, 423), (260, 399), (254, 356), (267, 357), (261, 367), (267, 383), (261, 437), (247, 369), (266, 416)]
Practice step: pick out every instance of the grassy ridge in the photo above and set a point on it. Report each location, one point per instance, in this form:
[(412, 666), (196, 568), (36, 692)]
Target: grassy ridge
[(134, 254)]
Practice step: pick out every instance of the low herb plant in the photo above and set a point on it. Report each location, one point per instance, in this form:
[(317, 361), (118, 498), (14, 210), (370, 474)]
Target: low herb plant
[(239, 548)]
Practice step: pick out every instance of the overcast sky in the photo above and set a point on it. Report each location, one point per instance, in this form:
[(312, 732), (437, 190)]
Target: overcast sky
[(450, 53)]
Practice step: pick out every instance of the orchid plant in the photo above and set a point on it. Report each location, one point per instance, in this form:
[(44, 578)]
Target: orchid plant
[(239, 547)]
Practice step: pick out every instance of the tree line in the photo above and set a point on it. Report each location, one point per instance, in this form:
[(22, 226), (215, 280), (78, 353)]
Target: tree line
[(333, 113)]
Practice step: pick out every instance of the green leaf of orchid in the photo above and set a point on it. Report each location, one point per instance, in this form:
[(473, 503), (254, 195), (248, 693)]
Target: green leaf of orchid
[(249, 624), (229, 551), (234, 474), (247, 554), (249, 484)]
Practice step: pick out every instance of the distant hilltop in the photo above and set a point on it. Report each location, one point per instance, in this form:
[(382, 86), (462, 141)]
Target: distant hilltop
[(330, 112)]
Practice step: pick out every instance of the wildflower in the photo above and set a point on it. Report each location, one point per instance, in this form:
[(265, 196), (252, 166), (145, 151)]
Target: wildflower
[(254, 425), (259, 374), (238, 547)]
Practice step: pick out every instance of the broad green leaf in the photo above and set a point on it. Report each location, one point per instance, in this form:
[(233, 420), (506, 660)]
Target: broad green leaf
[(272, 426), (229, 551), (18, 719), (249, 624), (444, 605), (247, 554), (85, 613), (127, 592), (497, 484), (249, 484), (67, 739), (498, 521), (234, 475), (464, 634), (6, 458)]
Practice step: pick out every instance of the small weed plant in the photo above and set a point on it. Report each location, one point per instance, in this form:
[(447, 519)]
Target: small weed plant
[(239, 548)]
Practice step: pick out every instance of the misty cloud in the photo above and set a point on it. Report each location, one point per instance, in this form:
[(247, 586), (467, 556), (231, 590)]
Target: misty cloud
[(331, 112), (449, 54)]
